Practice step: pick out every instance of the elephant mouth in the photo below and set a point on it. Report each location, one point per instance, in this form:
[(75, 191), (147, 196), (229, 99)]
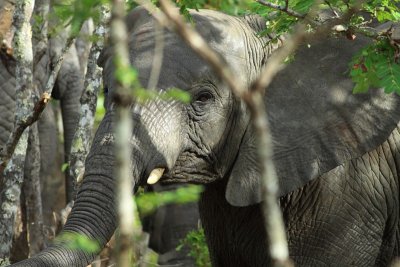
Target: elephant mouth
[(200, 171), (196, 177), (163, 175)]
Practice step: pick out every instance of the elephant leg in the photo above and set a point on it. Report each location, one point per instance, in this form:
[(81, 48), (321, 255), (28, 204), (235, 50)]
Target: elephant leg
[(168, 226), (51, 176), (68, 90), (235, 235)]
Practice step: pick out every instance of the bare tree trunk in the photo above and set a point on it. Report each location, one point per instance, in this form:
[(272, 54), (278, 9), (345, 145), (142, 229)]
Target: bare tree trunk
[(32, 192), (83, 135), (14, 172), (129, 223)]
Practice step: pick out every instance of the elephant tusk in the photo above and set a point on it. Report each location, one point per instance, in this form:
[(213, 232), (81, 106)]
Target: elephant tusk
[(155, 175)]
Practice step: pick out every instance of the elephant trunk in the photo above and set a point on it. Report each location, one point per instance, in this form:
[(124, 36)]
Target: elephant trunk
[(70, 113), (93, 214)]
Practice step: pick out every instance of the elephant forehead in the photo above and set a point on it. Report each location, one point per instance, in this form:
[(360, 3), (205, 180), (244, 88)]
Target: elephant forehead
[(180, 65)]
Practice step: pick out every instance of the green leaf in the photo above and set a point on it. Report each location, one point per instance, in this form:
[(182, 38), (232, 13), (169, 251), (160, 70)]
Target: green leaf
[(198, 250), (64, 166), (127, 76), (375, 66), (149, 202), (178, 94), (77, 241)]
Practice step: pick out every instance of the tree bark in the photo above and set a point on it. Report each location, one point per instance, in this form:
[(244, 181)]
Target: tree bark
[(83, 136), (14, 172), (32, 192), (129, 223)]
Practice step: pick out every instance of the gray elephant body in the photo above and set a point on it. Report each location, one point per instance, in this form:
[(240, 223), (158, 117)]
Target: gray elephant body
[(336, 153)]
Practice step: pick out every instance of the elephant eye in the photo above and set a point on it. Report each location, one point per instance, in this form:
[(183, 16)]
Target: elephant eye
[(105, 90), (203, 97)]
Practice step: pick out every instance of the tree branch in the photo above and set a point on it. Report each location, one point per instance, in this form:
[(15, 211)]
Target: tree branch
[(19, 129), (285, 8), (129, 224)]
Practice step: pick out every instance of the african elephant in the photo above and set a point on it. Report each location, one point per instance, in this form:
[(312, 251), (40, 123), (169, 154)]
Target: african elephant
[(336, 154)]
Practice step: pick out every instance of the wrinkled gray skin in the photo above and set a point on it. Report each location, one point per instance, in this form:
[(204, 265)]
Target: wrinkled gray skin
[(336, 153), (68, 89)]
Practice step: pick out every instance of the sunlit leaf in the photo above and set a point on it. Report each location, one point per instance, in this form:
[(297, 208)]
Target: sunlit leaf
[(77, 241)]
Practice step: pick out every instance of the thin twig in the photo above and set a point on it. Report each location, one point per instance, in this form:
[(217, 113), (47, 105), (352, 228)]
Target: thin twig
[(24, 123), (332, 9), (285, 8), (56, 65)]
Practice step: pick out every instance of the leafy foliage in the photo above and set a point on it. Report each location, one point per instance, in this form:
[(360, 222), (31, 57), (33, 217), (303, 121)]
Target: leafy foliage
[(75, 13), (78, 241), (149, 202), (383, 10), (279, 23), (196, 242), (375, 66)]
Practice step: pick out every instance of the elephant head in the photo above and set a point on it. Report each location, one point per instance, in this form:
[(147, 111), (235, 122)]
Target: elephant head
[(317, 124)]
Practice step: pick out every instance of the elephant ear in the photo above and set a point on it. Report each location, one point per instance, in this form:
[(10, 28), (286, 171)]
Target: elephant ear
[(317, 123)]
